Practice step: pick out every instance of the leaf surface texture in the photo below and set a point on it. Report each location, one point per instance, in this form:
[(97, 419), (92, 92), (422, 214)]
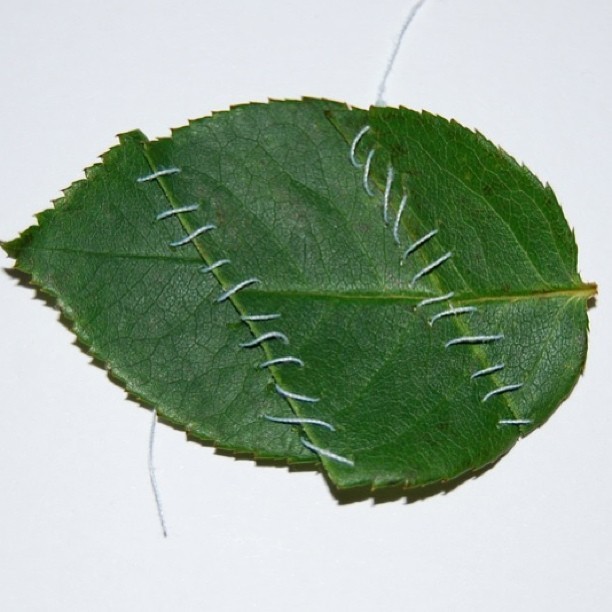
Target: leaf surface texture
[(421, 304)]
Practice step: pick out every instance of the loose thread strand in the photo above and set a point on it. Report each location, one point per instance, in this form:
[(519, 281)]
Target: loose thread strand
[(153, 478), (380, 101)]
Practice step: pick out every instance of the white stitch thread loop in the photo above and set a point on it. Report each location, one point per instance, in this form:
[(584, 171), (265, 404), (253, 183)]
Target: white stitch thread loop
[(419, 243), (194, 234), (515, 422), (499, 390), (295, 396), (354, 144), (387, 194), (474, 340), (435, 300), (176, 211), (326, 453), (299, 421), (282, 361), (260, 317), (487, 371), (236, 288), (398, 218), (273, 335), (452, 312), (366, 172), (214, 265), (429, 268), (154, 175)]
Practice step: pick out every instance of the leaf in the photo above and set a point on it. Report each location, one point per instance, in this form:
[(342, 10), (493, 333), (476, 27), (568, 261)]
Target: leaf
[(426, 306)]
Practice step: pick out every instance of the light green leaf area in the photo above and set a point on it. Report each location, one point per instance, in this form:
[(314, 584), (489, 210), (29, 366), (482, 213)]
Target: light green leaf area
[(422, 307)]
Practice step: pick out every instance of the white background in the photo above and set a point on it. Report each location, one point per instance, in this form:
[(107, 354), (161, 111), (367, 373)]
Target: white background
[(78, 528)]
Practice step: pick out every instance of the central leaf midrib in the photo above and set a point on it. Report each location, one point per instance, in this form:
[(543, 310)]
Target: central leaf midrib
[(584, 292)]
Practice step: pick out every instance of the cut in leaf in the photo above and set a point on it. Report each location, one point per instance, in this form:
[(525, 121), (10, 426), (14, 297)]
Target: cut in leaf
[(382, 291)]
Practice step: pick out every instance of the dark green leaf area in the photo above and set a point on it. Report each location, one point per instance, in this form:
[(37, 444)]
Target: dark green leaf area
[(403, 405), (406, 314), (146, 309)]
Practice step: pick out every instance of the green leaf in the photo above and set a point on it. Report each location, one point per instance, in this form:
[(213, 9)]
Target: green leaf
[(428, 323)]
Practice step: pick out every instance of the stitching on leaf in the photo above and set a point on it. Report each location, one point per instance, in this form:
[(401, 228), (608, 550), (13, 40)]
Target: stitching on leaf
[(215, 265), (198, 232), (156, 175), (272, 335), (429, 268), (298, 421), (236, 288), (323, 452), (176, 211), (265, 337)]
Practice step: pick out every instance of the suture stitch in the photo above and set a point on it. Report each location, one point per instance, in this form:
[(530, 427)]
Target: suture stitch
[(272, 335), (176, 211), (295, 396), (435, 300), (236, 288), (419, 243), (260, 317), (282, 360), (504, 389), (154, 175), (214, 265), (299, 421), (429, 268), (474, 340), (194, 234), (452, 312), (326, 453), (515, 422), (366, 172), (387, 194), (398, 218), (354, 144), (496, 368)]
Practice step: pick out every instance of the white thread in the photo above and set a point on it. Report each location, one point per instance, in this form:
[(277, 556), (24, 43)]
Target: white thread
[(504, 389), (487, 371), (176, 211), (452, 312), (260, 317), (154, 175), (152, 478), (295, 396), (281, 361), (273, 335), (215, 265), (387, 195), (435, 300), (474, 340), (194, 234), (400, 212), (420, 242), (432, 266), (366, 172), (515, 422), (381, 88), (298, 421), (236, 288), (326, 453), (354, 144)]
